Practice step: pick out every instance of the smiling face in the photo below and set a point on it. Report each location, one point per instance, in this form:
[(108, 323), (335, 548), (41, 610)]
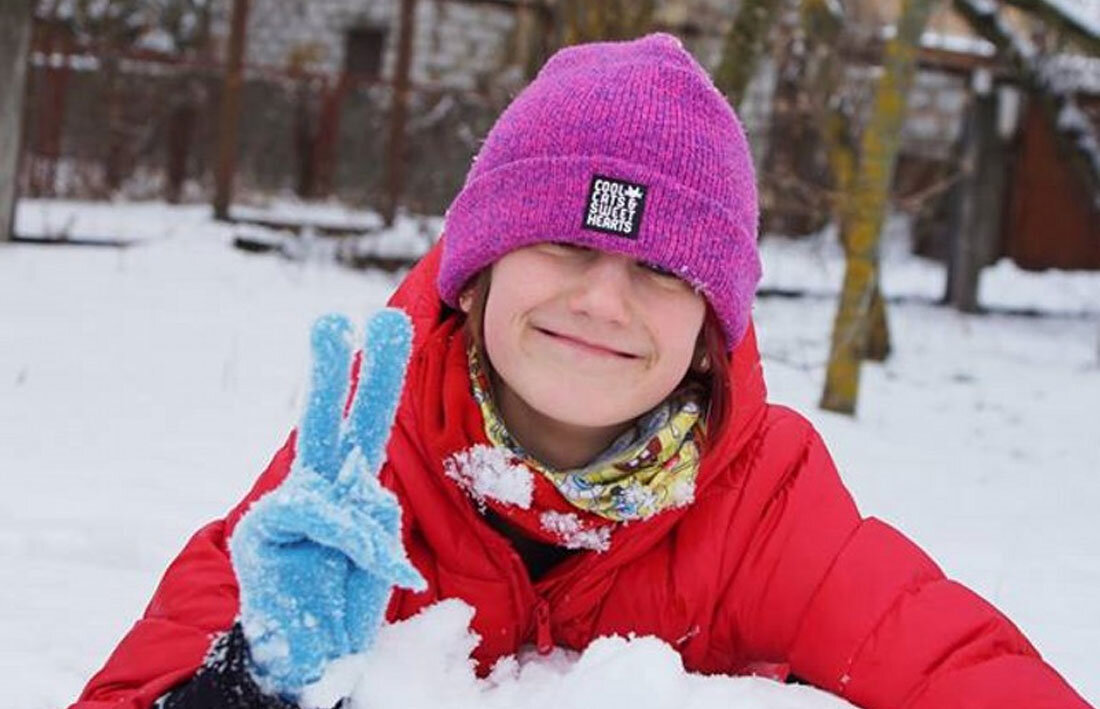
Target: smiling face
[(586, 339)]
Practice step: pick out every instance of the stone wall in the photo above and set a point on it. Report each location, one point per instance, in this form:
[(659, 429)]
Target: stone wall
[(453, 45)]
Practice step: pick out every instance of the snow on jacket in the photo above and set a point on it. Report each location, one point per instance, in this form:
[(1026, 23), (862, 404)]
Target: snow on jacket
[(771, 565)]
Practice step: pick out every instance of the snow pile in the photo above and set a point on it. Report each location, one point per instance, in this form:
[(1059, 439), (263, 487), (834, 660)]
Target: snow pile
[(423, 663), (814, 266), (488, 472)]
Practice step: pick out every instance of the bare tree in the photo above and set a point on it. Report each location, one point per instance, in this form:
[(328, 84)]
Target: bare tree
[(865, 208), (746, 40), (586, 21), (15, 35), (823, 23)]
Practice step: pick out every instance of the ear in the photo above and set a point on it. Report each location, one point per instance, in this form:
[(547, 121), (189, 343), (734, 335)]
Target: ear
[(466, 300), (700, 361)]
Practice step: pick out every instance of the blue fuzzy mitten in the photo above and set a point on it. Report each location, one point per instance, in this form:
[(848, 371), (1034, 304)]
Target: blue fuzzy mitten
[(317, 558)]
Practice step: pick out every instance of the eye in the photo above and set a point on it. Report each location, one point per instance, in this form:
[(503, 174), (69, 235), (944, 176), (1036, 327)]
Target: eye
[(563, 247), (657, 270)]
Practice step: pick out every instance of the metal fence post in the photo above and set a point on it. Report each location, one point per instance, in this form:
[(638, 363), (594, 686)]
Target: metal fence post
[(229, 121), (395, 150)]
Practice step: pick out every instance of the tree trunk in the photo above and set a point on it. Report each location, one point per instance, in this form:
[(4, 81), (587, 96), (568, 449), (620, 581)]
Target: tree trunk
[(824, 29), (982, 198), (877, 346), (866, 209), (588, 21), (15, 39), (746, 40), (534, 26), (229, 120), (795, 167)]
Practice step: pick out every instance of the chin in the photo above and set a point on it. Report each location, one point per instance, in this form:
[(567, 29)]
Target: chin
[(586, 420), (577, 412)]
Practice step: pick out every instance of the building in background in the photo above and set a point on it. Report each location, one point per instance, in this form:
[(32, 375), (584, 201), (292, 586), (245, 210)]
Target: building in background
[(132, 110)]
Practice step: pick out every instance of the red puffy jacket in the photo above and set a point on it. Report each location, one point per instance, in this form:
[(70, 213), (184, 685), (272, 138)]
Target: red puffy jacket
[(772, 564)]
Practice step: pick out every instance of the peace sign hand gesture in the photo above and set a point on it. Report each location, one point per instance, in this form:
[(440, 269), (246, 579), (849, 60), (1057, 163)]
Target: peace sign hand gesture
[(317, 558)]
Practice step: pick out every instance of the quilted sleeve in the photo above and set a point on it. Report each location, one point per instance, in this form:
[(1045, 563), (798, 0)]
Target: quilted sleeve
[(857, 609)]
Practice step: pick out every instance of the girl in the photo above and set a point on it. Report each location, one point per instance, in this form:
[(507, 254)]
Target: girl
[(582, 447)]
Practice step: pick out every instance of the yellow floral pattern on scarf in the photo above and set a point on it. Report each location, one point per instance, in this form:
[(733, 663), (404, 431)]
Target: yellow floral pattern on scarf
[(649, 468)]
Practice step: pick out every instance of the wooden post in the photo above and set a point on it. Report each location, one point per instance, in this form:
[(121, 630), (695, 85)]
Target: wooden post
[(328, 133), (229, 120), (15, 38), (45, 142), (181, 127), (982, 197), (395, 149)]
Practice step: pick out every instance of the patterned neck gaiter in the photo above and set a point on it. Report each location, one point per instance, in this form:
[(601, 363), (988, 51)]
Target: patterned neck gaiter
[(649, 468)]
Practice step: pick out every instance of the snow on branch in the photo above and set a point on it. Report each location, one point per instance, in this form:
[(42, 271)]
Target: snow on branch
[(1065, 18), (1041, 75)]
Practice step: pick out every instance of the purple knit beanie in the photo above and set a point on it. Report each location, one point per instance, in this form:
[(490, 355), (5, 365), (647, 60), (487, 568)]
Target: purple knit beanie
[(625, 147)]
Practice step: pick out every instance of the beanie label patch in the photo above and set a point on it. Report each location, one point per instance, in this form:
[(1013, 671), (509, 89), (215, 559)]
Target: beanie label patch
[(614, 206)]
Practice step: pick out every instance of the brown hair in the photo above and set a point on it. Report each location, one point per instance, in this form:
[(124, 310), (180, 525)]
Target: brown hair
[(711, 345)]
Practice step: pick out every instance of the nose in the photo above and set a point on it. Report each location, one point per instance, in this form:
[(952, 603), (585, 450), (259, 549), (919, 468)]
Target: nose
[(602, 290)]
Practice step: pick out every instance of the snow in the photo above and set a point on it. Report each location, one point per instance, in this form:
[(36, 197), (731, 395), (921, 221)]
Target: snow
[(816, 266), (960, 44), (1087, 18), (143, 389), (489, 472), (423, 663), (568, 527), (1074, 72), (1074, 122)]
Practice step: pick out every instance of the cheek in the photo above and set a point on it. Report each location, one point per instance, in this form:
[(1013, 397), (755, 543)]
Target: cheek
[(520, 281), (678, 331), (495, 326), (501, 321)]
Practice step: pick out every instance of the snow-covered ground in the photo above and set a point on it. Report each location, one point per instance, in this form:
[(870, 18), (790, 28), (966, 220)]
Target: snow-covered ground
[(142, 389)]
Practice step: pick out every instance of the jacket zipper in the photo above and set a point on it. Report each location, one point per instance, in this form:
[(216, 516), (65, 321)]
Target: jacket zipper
[(544, 641)]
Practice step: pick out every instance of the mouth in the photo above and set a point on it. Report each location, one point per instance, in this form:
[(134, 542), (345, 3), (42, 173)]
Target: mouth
[(585, 346)]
